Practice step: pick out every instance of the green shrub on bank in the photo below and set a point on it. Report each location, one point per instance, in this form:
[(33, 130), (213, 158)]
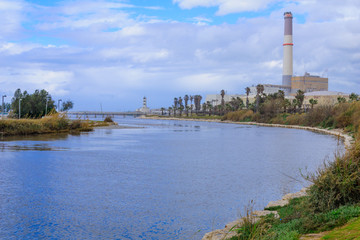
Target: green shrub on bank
[(50, 124), (240, 116)]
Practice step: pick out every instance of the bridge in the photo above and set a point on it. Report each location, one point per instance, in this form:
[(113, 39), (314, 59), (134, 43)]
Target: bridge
[(104, 114)]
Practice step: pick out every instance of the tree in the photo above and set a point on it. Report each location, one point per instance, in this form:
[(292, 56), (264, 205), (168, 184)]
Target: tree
[(353, 97), (162, 111), (32, 105), (175, 105), (197, 102), (209, 107), (259, 90), (181, 105), (287, 104), (222, 93), (170, 108), (313, 102), (300, 98), (186, 99), (341, 100), (191, 106), (67, 105), (247, 90), (236, 103)]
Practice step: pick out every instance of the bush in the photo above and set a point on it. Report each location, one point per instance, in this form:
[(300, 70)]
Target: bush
[(108, 119), (336, 183), (238, 116)]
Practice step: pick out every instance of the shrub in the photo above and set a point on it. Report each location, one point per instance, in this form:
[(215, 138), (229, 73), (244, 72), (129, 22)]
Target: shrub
[(336, 183), (241, 115), (108, 119)]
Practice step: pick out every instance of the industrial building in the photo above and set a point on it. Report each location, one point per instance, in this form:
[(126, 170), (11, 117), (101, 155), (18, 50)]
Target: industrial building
[(310, 84)]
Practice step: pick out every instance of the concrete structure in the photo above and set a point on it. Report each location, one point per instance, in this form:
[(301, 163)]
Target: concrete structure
[(288, 50), (144, 108), (324, 97), (308, 83), (270, 89)]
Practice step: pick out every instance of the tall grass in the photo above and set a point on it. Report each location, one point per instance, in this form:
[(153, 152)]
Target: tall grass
[(51, 124)]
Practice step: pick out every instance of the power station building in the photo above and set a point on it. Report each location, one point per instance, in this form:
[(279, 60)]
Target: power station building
[(310, 84)]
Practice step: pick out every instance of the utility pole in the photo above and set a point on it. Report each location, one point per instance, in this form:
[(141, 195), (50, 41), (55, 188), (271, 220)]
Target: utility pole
[(20, 107), (59, 105), (2, 107), (47, 99)]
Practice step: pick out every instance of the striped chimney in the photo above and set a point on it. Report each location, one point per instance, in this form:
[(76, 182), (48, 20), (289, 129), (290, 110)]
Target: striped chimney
[(288, 50)]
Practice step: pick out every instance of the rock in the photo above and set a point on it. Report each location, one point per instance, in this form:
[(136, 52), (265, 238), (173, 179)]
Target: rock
[(262, 213), (285, 199), (224, 233)]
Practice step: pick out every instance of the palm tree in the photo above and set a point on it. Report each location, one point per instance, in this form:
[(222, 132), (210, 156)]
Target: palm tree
[(300, 98), (191, 106), (287, 104), (187, 110), (259, 90), (204, 108), (162, 111), (222, 93), (186, 99), (294, 104), (175, 105), (247, 90), (170, 108), (313, 102), (181, 106), (209, 107)]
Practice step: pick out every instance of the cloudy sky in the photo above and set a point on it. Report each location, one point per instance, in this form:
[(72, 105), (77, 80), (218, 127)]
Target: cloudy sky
[(114, 52)]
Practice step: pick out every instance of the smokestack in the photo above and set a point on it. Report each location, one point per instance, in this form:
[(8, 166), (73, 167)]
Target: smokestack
[(288, 50)]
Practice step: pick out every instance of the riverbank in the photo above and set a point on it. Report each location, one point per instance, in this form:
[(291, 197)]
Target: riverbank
[(348, 139), (56, 123), (321, 207)]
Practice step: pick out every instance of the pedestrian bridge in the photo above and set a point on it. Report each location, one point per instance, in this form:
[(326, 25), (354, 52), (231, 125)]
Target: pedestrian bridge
[(98, 113)]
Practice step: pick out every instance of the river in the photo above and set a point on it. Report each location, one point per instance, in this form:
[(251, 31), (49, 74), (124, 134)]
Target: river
[(159, 180)]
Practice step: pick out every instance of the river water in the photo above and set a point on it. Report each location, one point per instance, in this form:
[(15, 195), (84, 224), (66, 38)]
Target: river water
[(160, 180)]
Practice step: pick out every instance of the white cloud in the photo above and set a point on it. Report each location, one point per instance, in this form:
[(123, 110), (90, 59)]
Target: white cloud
[(121, 57), (226, 6), (31, 79), (11, 17)]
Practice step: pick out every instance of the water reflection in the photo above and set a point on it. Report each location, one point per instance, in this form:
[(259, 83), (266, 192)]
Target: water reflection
[(34, 147), (150, 182)]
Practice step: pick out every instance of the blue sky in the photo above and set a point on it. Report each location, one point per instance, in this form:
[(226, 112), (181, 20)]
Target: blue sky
[(115, 52)]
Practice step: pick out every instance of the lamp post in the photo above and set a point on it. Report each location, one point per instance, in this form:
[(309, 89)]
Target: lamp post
[(59, 105), (47, 100), (20, 107), (2, 106)]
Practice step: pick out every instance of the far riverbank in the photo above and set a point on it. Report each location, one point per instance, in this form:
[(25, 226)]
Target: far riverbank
[(348, 140)]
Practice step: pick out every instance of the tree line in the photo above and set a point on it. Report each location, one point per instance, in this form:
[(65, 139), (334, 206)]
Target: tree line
[(35, 105), (265, 104)]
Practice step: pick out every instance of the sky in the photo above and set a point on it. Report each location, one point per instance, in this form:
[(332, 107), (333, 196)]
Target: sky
[(112, 53)]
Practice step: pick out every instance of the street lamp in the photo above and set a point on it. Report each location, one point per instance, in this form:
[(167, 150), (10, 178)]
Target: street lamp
[(2, 106), (20, 107), (47, 100), (59, 104)]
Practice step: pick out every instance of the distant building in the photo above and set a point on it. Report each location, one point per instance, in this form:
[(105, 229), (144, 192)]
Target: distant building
[(309, 83), (144, 108), (270, 89)]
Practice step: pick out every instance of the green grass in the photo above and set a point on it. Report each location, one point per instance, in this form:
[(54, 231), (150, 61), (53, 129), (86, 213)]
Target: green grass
[(347, 232)]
